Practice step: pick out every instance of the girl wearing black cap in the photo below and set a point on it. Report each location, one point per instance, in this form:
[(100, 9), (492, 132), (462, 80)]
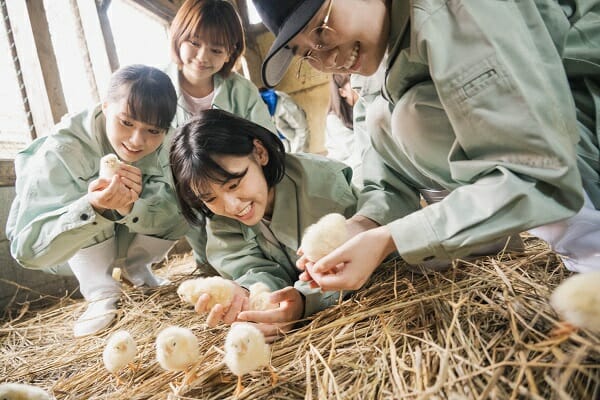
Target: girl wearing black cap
[(494, 102)]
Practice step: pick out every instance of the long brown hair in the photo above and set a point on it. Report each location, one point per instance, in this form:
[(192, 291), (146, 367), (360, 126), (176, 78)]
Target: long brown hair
[(216, 21), (337, 105)]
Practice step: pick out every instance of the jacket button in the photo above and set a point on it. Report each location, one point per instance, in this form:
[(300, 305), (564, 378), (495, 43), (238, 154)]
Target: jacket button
[(428, 258), (84, 217), (135, 219)]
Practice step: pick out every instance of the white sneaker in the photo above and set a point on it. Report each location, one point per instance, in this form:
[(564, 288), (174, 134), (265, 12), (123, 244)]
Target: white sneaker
[(98, 316)]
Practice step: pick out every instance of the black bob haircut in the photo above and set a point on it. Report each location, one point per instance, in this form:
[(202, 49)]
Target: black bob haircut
[(217, 133), (149, 94)]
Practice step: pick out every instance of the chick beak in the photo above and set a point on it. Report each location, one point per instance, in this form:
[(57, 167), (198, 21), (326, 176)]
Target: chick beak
[(243, 348)]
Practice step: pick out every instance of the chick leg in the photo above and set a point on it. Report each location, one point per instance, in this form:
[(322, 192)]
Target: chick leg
[(239, 387), (563, 329), (274, 376)]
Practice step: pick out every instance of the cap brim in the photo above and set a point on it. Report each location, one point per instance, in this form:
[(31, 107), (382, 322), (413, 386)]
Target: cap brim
[(279, 57)]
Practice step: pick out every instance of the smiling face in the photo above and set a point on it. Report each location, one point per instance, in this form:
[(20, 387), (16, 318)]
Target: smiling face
[(352, 45), (132, 140), (201, 59), (247, 197)]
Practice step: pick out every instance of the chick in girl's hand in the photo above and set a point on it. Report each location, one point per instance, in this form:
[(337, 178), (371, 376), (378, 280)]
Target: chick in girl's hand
[(109, 165), (577, 301), (177, 349), (324, 236), (259, 298), (119, 352), (246, 351), (21, 391), (220, 290)]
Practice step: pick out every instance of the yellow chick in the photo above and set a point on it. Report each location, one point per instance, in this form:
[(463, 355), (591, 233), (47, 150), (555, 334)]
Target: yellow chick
[(219, 289), (119, 352), (259, 297), (109, 165), (246, 351), (177, 348), (21, 391), (324, 236), (577, 301)]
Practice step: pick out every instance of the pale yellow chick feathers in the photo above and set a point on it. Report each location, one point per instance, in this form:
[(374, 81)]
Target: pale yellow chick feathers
[(177, 348), (21, 391), (246, 351), (109, 165), (259, 298), (577, 300), (119, 352), (219, 289), (324, 236)]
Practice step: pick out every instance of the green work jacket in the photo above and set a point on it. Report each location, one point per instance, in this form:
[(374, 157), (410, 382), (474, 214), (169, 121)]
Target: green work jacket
[(51, 218), (519, 83)]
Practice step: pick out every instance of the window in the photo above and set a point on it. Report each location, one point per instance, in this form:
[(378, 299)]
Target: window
[(133, 28), (14, 127), (56, 56)]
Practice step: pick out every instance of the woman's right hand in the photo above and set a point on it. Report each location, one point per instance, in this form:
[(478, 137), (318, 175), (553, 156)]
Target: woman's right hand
[(111, 194)]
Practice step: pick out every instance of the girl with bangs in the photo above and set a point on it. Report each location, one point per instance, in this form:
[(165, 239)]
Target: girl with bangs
[(207, 41), (66, 215), (259, 200)]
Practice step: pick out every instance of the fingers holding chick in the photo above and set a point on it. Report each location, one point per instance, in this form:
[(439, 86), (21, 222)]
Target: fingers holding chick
[(131, 177)]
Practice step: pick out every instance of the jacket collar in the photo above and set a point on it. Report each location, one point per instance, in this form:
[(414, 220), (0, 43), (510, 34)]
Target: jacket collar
[(285, 224)]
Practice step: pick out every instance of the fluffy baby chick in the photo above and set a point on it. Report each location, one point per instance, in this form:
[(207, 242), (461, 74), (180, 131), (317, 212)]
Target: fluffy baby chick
[(246, 351), (577, 301), (259, 297), (21, 391), (219, 289), (177, 348), (109, 165), (324, 236), (119, 352)]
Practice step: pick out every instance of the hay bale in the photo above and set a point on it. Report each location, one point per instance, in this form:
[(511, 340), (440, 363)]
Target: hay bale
[(479, 330)]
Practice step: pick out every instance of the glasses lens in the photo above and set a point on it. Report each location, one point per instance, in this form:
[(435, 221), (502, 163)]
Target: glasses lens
[(306, 66), (322, 38)]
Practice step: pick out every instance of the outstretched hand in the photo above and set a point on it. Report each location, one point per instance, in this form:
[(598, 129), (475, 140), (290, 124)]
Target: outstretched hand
[(279, 320), (350, 265), (219, 313)]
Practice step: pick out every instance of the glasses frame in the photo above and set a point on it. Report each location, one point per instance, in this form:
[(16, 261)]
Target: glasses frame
[(309, 57)]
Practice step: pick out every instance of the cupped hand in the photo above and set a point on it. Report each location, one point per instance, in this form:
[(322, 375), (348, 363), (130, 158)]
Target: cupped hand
[(219, 313), (272, 323)]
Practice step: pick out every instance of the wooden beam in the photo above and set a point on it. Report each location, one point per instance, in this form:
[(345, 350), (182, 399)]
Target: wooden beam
[(109, 40), (163, 9), (7, 172), (38, 63), (99, 68)]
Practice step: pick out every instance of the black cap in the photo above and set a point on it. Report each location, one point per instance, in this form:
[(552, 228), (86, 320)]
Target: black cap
[(285, 18)]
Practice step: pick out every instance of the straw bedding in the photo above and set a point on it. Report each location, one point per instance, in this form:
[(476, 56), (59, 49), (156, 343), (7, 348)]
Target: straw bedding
[(478, 331)]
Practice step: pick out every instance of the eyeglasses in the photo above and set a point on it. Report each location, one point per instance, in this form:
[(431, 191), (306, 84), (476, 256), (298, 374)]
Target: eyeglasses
[(321, 39)]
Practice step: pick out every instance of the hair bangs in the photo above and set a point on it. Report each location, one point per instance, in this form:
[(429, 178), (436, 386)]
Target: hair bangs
[(148, 104)]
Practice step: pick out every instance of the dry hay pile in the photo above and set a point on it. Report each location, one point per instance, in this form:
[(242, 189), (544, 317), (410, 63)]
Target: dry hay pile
[(478, 331)]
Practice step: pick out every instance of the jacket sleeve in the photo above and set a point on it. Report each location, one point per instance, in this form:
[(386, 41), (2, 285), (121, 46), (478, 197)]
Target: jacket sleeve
[(156, 212), (51, 218), (502, 84)]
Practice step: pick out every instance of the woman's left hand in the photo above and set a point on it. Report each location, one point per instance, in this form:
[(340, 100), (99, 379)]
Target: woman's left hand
[(350, 265), (279, 320)]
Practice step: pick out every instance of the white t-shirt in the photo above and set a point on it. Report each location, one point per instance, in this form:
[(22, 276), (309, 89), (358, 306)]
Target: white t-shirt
[(197, 104)]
